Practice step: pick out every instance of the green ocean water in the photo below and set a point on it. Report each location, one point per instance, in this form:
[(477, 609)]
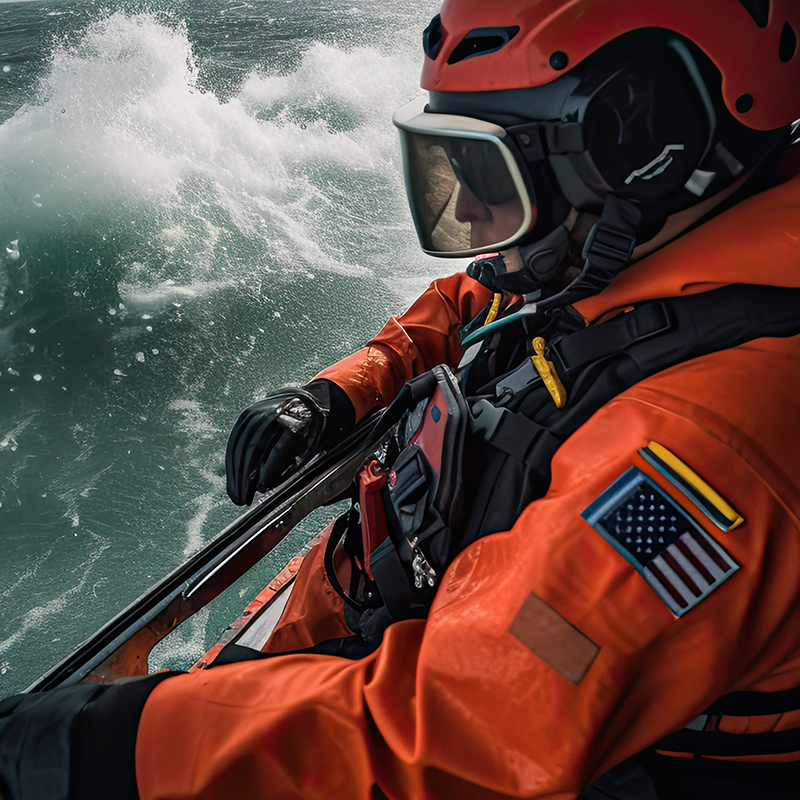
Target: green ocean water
[(198, 202)]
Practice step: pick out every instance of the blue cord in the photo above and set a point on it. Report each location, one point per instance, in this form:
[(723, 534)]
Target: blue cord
[(526, 311)]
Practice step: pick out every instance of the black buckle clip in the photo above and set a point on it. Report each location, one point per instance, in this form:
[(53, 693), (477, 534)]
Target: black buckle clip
[(648, 320), (610, 245)]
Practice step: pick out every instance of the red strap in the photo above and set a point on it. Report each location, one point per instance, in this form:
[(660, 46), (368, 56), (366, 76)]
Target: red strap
[(371, 480)]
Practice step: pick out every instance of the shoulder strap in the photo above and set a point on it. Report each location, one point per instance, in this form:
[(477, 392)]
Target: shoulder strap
[(602, 361), (659, 334), (696, 739), (612, 357)]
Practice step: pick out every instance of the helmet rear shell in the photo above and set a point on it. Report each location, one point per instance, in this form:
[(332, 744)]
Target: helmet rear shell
[(757, 58)]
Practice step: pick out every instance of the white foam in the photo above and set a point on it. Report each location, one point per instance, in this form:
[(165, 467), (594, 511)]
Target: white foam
[(27, 574), (146, 300), (194, 421), (195, 538), (38, 617), (9, 438), (120, 135), (90, 136)]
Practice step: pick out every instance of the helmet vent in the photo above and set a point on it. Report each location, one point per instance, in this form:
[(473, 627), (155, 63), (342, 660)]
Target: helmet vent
[(788, 44), (432, 37), (480, 41), (758, 10)]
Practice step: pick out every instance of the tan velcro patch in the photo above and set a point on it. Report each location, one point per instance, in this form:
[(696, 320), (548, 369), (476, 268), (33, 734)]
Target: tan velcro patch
[(553, 639)]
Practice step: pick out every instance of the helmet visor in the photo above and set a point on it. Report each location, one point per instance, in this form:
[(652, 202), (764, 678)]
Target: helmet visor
[(466, 191)]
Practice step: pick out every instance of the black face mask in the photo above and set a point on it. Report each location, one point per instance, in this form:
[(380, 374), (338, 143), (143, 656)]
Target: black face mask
[(543, 262)]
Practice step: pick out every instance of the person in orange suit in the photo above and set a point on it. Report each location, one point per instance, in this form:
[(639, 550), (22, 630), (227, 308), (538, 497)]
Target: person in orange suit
[(609, 603)]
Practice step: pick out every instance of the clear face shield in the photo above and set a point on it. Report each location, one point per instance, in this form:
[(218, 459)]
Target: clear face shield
[(466, 191)]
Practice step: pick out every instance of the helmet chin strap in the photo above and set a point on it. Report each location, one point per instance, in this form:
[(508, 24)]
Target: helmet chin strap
[(608, 249)]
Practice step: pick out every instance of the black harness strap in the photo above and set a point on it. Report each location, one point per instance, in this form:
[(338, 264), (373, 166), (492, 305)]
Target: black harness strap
[(750, 704), (740, 704), (607, 251), (727, 318), (719, 743), (667, 332), (509, 431), (600, 341)]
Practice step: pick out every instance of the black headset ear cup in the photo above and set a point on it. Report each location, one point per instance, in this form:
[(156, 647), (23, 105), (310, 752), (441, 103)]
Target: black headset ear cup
[(646, 127)]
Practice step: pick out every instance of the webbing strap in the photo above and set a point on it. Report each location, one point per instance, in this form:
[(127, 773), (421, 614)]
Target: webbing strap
[(509, 431), (607, 251), (720, 743), (666, 332), (740, 704), (718, 320), (753, 704), (600, 341)]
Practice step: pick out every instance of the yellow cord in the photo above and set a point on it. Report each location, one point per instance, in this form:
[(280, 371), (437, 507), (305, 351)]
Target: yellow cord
[(493, 311)]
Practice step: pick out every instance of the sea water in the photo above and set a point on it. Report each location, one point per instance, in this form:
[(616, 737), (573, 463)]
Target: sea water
[(199, 202)]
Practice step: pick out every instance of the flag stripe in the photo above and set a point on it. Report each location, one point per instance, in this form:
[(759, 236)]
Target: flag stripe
[(671, 579), (657, 579), (688, 567), (711, 552), (680, 572), (707, 568)]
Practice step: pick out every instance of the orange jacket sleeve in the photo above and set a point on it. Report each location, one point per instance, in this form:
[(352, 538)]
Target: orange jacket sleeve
[(546, 658), (414, 342)]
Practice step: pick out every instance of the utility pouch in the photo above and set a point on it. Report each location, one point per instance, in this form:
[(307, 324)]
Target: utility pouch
[(421, 494), (397, 535)]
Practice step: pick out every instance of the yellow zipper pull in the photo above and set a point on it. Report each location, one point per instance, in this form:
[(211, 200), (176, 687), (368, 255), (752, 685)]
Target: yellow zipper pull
[(548, 373), (492, 315)]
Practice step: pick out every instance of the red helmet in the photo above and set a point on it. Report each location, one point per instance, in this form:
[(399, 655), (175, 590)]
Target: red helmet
[(480, 45), (544, 114)]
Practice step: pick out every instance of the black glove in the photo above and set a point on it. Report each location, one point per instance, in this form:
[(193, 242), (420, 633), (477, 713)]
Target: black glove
[(276, 436)]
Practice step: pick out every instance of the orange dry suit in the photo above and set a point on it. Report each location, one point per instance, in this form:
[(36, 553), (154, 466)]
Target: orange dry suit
[(552, 651)]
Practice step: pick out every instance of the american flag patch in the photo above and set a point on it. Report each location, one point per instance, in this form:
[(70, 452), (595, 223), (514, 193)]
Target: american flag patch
[(679, 560)]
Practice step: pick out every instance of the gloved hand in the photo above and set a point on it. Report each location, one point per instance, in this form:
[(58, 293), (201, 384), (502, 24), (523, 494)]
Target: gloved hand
[(276, 436)]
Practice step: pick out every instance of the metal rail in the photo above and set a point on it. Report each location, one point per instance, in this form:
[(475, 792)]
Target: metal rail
[(122, 645)]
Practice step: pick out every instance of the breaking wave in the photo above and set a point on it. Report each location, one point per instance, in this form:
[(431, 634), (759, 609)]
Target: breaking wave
[(170, 250)]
